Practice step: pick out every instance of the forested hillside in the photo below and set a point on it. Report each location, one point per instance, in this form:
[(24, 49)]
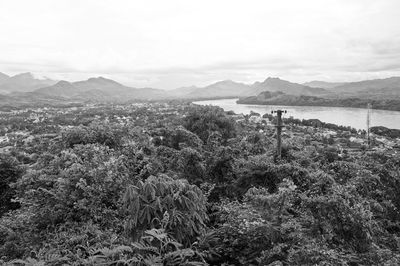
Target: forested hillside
[(179, 184), (280, 98)]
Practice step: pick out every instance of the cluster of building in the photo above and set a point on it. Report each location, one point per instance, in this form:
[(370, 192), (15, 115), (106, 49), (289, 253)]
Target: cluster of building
[(316, 135), (321, 137)]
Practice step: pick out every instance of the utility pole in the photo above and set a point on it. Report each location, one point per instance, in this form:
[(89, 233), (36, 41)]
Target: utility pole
[(279, 132)]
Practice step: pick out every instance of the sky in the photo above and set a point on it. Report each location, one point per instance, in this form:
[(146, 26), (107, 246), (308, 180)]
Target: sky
[(173, 43)]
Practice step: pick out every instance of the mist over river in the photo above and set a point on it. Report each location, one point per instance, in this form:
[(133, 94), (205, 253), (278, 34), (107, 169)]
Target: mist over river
[(354, 117)]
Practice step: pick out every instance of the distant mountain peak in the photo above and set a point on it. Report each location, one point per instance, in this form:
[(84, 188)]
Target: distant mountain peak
[(322, 84), (26, 75), (273, 79), (61, 88), (24, 82), (102, 80), (63, 82), (226, 81), (276, 84), (4, 75), (223, 82), (97, 78)]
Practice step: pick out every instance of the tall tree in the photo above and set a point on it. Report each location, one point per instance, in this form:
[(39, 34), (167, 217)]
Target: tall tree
[(9, 173)]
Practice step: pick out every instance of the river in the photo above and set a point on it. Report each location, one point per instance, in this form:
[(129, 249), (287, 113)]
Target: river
[(346, 116)]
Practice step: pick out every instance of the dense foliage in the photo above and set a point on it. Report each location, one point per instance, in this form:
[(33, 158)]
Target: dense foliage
[(267, 98), (10, 172), (181, 184)]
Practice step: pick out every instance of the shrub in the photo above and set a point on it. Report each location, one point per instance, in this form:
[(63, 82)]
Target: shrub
[(81, 184), (88, 245), (162, 202), (203, 120), (102, 133)]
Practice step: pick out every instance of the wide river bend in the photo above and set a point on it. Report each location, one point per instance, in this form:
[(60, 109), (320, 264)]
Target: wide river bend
[(354, 117)]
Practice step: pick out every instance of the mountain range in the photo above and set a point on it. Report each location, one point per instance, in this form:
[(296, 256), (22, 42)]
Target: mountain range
[(280, 98), (99, 89), (323, 84), (26, 86), (23, 82), (229, 88), (389, 86)]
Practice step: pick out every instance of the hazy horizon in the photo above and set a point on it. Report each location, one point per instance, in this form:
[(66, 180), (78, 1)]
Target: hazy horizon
[(211, 82), (172, 44)]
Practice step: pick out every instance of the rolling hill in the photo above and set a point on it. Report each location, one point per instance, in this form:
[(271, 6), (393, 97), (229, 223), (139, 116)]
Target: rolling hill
[(277, 84), (393, 82), (229, 88), (323, 84), (103, 89), (280, 98), (3, 77), (375, 88), (99, 89), (22, 83)]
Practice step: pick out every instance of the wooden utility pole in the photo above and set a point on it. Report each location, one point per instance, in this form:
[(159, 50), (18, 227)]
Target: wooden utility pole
[(279, 132)]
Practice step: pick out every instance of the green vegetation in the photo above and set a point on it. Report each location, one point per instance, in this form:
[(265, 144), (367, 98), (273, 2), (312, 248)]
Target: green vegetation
[(279, 98), (180, 184), (10, 172), (387, 132)]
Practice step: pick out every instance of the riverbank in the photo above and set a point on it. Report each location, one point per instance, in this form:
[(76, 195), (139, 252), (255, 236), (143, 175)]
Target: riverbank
[(353, 117), (279, 98)]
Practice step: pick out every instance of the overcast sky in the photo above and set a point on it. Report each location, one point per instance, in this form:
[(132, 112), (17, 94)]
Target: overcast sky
[(171, 43)]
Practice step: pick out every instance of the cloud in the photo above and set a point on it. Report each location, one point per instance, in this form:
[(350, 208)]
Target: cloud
[(179, 43)]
